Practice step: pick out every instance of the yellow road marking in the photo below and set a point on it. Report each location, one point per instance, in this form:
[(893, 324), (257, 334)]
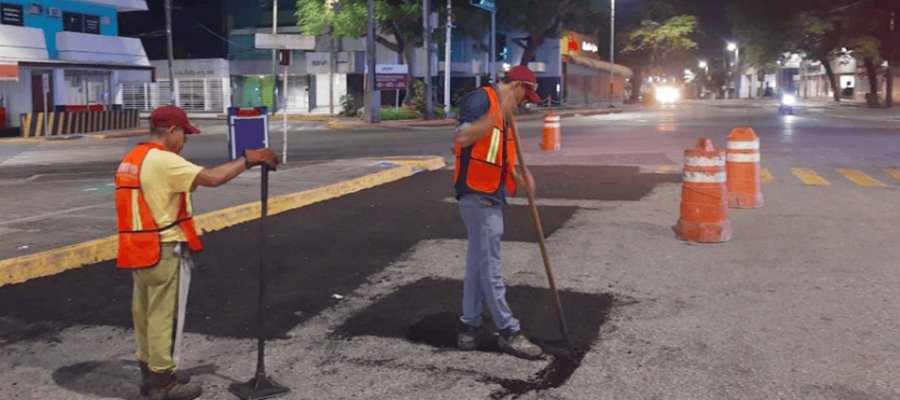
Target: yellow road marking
[(860, 178), (765, 175), (895, 172), (809, 177), (667, 169)]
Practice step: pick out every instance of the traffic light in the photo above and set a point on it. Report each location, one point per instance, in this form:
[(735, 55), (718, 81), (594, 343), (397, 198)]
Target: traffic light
[(502, 47)]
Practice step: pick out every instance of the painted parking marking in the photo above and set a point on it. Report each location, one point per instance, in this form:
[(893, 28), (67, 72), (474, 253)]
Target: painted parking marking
[(895, 172), (860, 178), (765, 176)]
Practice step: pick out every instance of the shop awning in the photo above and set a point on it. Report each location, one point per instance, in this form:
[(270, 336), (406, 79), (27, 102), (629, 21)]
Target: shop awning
[(100, 49), (617, 69), (19, 43), (9, 72)]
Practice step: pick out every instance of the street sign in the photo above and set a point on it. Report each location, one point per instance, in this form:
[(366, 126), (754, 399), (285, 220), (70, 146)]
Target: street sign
[(391, 76), (489, 5), (284, 42)]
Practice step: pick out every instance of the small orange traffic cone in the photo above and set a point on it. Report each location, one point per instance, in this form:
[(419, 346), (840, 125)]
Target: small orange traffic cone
[(704, 197), (742, 155), (552, 132)]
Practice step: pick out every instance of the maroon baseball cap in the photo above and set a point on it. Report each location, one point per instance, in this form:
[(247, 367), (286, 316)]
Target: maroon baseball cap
[(166, 116), (524, 74)]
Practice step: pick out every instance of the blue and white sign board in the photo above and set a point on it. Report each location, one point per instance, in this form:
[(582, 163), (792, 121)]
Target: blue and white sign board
[(489, 5), (248, 129)]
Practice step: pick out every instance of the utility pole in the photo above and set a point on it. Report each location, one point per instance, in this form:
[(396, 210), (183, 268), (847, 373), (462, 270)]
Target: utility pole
[(447, 59), (373, 100), (168, 6), (426, 21), (493, 47), (612, 47), (274, 56), (891, 58)]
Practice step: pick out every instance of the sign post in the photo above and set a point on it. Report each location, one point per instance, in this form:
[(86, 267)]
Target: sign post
[(391, 77), (285, 43), (45, 77), (491, 7)]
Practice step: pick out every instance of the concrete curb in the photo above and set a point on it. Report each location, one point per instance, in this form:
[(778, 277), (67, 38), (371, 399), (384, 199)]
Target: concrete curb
[(51, 262)]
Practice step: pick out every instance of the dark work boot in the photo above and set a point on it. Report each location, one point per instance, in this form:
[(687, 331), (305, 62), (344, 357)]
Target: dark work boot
[(465, 339), (165, 387), (145, 378), (516, 344)]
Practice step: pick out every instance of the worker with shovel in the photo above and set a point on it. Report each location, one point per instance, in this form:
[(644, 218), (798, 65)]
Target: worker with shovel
[(485, 149)]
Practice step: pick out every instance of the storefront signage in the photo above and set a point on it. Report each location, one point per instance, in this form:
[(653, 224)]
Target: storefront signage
[(92, 24), (391, 76), (588, 46), (35, 9), (11, 14)]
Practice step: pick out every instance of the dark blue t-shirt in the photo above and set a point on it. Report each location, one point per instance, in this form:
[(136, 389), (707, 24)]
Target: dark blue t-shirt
[(472, 107)]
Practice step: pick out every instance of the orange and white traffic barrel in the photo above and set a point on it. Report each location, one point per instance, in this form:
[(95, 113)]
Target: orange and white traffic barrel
[(552, 132), (704, 197), (742, 156)]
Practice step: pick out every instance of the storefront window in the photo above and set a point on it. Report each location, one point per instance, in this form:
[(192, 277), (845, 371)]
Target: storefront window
[(86, 88)]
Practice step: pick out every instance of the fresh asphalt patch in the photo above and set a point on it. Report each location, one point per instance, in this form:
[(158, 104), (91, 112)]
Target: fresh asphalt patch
[(427, 311), (313, 252)]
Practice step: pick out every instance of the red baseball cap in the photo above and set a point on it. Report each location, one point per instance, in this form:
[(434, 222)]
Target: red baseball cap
[(166, 116), (524, 74)]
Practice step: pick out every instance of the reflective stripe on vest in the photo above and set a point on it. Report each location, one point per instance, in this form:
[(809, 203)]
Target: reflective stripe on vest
[(139, 235), (483, 162)]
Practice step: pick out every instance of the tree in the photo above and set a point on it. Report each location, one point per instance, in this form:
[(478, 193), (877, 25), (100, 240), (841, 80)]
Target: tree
[(654, 43), (542, 19), (399, 24)]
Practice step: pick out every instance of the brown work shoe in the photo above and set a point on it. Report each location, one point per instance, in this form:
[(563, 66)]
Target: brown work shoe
[(145, 378), (465, 339), (516, 344), (165, 387)]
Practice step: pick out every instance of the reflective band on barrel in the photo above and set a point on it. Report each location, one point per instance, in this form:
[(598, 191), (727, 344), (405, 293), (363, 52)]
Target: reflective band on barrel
[(704, 177), (553, 125), (704, 161), (551, 119), (743, 145), (743, 157), (495, 147)]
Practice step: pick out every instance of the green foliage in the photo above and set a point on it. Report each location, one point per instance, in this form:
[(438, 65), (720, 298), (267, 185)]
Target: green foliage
[(663, 38), (398, 113), (348, 105)]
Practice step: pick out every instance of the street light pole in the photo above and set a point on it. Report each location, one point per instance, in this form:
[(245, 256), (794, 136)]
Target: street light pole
[(274, 56), (493, 65), (447, 59), (373, 101), (171, 55), (426, 20), (612, 55)]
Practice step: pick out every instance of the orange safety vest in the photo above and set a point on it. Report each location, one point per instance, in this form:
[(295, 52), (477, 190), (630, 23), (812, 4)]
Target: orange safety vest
[(139, 235), (483, 165)]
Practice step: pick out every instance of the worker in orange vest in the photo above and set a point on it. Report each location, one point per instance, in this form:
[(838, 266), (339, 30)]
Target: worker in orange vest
[(156, 238), (485, 174)]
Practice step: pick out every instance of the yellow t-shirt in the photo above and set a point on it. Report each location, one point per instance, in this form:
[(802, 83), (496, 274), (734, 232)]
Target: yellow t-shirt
[(164, 176)]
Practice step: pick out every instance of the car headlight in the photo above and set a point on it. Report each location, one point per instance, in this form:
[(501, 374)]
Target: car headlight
[(667, 94), (788, 100)]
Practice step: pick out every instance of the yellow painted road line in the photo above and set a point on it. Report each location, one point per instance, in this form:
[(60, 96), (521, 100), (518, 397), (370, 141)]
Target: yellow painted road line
[(667, 169), (858, 177), (765, 176), (895, 172), (51, 262), (809, 177)]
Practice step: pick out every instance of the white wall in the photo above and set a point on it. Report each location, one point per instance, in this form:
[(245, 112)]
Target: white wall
[(17, 97)]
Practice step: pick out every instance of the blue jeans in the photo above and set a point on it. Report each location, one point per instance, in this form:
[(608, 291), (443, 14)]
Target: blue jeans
[(484, 282)]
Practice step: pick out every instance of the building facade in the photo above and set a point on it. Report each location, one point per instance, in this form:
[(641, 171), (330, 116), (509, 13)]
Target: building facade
[(60, 56)]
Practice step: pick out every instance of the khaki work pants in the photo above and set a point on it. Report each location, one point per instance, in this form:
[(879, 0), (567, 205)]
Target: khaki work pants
[(157, 307)]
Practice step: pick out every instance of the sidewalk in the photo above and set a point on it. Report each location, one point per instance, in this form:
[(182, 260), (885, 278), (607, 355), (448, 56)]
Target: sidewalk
[(70, 223), (529, 115)]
